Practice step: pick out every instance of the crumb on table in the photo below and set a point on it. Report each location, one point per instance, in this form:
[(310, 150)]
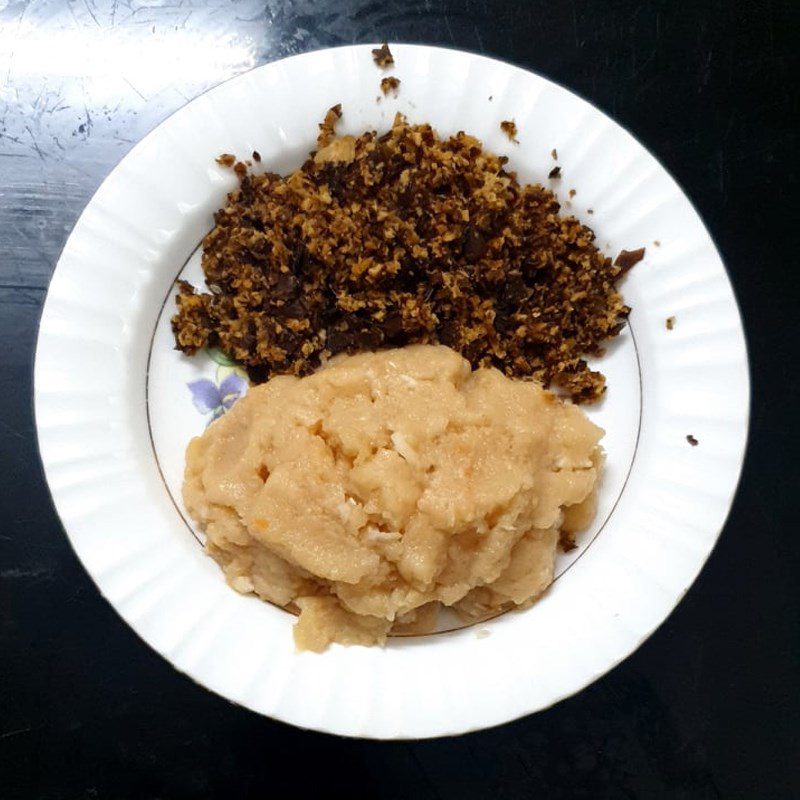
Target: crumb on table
[(692, 441), (554, 154), (670, 323), (554, 174)]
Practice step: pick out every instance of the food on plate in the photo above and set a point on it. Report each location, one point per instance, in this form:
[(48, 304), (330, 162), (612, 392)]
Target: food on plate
[(382, 56), (627, 259), (379, 241), (390, 84), (509, 128), (387, 484)]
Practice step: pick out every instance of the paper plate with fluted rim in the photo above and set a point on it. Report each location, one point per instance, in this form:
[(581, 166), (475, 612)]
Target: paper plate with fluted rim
[(116, 404)]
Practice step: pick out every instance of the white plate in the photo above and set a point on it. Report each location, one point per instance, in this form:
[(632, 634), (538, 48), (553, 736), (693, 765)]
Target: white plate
[(114, 412)]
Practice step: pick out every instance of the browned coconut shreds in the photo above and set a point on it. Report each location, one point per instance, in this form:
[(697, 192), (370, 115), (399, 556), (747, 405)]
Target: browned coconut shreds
[(390, 84), (382, 56), (382, 241), (509, 128)]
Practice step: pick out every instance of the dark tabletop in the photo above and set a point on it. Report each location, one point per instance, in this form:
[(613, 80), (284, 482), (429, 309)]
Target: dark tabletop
[(706, 708)]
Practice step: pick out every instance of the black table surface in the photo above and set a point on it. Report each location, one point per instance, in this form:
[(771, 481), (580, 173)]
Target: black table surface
[(706, 708)]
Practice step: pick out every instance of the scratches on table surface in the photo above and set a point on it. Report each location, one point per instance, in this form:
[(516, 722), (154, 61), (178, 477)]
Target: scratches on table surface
[(707, 87)]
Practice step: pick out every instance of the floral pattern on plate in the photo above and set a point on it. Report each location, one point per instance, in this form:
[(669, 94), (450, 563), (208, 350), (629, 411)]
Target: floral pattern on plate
[(215, 397)]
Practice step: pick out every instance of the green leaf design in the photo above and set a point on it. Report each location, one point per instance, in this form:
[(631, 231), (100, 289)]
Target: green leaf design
[(223, 370), (220, 358)]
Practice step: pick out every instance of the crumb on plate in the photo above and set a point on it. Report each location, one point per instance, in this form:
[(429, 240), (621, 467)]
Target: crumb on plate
[(627, 259), (509, 128), (382, 56), (390, 84)]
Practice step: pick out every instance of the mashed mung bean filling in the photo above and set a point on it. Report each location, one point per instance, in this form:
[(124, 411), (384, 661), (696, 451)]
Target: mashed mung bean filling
[(383, 241), (387, 485)]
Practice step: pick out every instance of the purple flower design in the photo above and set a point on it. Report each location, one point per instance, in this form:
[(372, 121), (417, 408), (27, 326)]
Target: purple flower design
[(208, 397)]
